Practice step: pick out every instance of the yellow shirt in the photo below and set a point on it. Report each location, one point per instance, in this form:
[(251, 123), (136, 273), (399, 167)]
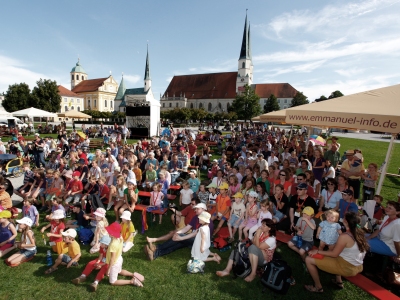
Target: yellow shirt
[(126, 230), (115, 246), (348, 167), (73, 249)]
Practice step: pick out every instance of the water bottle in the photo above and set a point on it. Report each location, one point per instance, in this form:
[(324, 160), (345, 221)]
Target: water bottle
[(299, 241), (49, 258)]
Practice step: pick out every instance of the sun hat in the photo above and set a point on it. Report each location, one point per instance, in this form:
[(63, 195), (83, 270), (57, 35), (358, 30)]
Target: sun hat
[(70, 232), (215, 161), (117, 168), (126, 215), (308, 210), (76, 173), (212, 185), (205, 217), (131, 181), (349, 152), (348, 192), (253, 194), (27, 221), (100, 212), (36, 134), (105, 239), (359, 156), (200, 205), (58, 214), (302, 185), (242, 157), (223, 186), (6, 214), (238, 195), (114, 230)]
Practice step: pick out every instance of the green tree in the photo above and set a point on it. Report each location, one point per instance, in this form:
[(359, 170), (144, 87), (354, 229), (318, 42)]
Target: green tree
[(184, 114), (272, 104), (164, 114), (232, 116), (198, 114), (322, 98), (246, 104), (336, 94), (17, 97), (299, 99), (45, 96)]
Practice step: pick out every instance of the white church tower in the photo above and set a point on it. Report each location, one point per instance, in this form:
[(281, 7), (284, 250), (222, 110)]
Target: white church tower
[(147, 78), (245, 62), (78, 74)]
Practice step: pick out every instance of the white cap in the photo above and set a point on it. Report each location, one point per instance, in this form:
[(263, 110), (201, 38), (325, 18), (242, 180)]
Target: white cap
[(70, 232), (131, 181), (27, 221), (126, 215), (201, 205)]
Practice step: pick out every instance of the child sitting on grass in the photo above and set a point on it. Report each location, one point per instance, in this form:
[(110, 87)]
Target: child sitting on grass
[(27, 245), (30, 211), (57, 227), (201, 244), (127, 231), (74, 252), (80, 220), (8, 233), (303, 241), (100, 231), (56, 204)]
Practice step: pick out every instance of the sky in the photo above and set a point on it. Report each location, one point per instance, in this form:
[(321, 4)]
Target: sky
[(316, 46)]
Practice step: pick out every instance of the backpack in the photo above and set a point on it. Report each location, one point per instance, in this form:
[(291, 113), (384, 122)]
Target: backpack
[(220, 243), (276, 276), (241, 262), (195, 266), (85, 236)]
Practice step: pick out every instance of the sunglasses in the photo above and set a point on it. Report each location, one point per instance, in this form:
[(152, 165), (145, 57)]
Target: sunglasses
[(329, 184), (282, 174), (300, 189)]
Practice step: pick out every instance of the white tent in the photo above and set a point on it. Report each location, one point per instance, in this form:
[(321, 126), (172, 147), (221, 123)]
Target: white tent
[(377, 110), (5, 113), (33, 112)]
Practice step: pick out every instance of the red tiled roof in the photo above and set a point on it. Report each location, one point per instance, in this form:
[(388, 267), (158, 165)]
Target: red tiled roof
[(89, 85), (66, 92), (203, 86), (280, 90)]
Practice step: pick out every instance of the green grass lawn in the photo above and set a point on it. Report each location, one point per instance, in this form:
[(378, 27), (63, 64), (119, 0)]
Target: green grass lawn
[(166, 277)]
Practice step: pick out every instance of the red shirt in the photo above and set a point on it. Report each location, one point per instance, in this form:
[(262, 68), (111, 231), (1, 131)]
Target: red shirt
[(192, 149), (84, 156), (75, 186), (188, 213), (104, 190), (56, 229)]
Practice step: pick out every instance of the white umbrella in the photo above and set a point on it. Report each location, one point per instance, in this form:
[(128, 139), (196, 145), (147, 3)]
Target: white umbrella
[(33, 112)]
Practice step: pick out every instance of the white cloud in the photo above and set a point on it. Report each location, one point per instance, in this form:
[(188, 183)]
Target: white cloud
[(14, 71), (303, 68), (132, 78), (350, 72)]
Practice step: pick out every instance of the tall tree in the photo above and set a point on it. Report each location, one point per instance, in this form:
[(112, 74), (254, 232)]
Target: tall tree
[(45, 96), (246, 104), (198, 114), (17, 97), (299, 99), (272, 104), (336, 94)]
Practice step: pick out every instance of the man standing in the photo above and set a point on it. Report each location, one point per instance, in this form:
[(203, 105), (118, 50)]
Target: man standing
[(262, 162), (333, 156), (352, 169)]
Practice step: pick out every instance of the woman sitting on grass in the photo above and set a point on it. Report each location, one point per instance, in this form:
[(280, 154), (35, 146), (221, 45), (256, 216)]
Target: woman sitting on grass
[(345, 259)]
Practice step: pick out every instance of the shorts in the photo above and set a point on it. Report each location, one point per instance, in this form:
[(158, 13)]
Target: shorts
[(115, 269), (337, 266), (66, 259), (278, 216), (75, 198), (306, 246), (28, 253), (25, 190), (232, 221), (50, 197), (42, 192), (216, 214)]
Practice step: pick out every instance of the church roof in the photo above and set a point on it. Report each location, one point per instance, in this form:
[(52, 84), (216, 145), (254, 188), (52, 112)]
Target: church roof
[(245, 49), (66, 92), (203, 86), (147, 68), (121, 90), (89, 85), (280, 90), (78, 68), (136, 91)]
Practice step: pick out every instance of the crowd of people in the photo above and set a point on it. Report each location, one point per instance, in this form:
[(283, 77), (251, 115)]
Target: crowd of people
[(266, 180)]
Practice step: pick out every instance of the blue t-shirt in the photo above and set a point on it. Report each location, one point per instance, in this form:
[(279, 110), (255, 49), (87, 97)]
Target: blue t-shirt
[(345, 207), (194, 184)]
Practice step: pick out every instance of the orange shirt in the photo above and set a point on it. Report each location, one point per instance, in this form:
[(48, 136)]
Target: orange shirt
[(223, 204), (5, 200)]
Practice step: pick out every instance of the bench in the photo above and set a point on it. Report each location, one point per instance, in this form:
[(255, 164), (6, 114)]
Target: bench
[(95, 145), (359, 280)]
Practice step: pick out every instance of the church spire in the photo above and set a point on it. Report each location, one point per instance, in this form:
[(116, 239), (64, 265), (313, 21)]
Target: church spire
[(147, 69), (249, 44), (244, 50)]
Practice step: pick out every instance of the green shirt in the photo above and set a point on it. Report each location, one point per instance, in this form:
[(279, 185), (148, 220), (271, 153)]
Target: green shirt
[(333, 157), (267, 184), (151, 175)]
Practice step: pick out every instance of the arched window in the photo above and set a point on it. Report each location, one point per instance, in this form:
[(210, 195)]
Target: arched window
[(77, 77), (243, 65), (105, 103), (95, 103), (72, 77), (88, 103), (79, 108), (209, 106), (72, 108), (66, 108), (191, 105), (220, 105), (228, 106), (170, 105), (201, 105), (111, 104)]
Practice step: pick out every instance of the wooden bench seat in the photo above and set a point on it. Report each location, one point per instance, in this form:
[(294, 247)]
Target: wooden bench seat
[(171, 197), (359, 280)]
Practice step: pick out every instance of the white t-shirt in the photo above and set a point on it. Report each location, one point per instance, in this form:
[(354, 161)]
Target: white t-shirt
[(390, 233), (271, 242), (186, 196), (238, 209), (264, 215)]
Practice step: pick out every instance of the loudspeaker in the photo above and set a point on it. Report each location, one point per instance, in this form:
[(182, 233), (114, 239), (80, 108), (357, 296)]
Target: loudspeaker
[(134, 111)]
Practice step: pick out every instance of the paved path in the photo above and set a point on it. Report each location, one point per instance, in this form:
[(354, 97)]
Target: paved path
[(17, 182)]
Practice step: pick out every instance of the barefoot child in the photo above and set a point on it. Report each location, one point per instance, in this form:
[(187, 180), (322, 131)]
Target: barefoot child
[(8, 233), (328, 231), (74, 252), (101, 224), (127, 231), (303, 241), (27, 245), (223, 207), (201, 245), (237, 215)]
